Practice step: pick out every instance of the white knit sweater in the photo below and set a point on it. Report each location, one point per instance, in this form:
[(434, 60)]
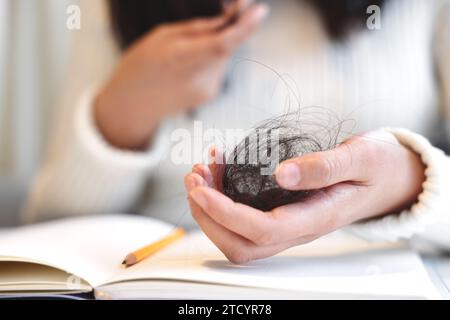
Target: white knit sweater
[(381, 78)]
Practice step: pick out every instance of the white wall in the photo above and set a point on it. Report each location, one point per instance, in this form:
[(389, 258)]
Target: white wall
[(34, 42)]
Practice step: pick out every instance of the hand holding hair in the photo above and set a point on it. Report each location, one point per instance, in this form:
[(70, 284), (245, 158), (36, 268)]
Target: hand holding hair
[(365, 177)]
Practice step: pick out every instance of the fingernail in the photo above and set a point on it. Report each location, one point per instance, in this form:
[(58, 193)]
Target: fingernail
[(200, 198), (288, 175)]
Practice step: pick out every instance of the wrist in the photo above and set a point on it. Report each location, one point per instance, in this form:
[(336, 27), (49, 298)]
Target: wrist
[(428, 210), (120, 124), (415, 178), (409, 176)]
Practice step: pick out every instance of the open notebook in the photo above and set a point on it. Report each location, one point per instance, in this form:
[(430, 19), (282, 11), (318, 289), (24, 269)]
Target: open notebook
[(85, 254)]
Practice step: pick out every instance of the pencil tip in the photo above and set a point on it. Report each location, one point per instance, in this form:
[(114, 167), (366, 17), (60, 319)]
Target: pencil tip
[(124, 262)]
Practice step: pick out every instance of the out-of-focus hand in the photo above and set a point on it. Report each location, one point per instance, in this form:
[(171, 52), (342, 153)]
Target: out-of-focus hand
[(365, 177), (173, 69)]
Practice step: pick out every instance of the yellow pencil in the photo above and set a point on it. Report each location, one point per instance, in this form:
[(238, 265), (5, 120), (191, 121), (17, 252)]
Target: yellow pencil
[(145, 252)]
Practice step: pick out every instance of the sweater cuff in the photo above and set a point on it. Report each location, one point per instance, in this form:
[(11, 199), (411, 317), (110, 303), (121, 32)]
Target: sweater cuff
[(89, 138), (432, 202)]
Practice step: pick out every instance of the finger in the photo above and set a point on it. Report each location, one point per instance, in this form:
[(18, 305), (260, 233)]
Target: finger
[(193, 26), (205, 173), (348, 162), (212, 173), (203, 50), (230, 38), (192, 181), (236, 248), (233, 9), (237, 33), (254, 225), (204, 25), (217, 167), (216, 156), (324, 212)]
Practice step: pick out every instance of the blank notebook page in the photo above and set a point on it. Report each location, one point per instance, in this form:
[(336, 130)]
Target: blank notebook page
[(92, 248), (338, 263)]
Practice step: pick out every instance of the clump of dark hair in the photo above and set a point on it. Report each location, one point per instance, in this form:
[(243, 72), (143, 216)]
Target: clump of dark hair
[(298, 133), (131, 19), (341, 17)]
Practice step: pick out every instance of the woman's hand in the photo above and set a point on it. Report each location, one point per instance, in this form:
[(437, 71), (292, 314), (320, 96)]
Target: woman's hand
[(365, 177), (174, 69)]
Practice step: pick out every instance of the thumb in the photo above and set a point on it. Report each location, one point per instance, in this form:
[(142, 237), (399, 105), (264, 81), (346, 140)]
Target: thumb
[(322, 169)]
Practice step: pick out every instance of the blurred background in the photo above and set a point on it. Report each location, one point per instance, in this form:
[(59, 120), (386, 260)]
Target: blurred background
[(34, 44)]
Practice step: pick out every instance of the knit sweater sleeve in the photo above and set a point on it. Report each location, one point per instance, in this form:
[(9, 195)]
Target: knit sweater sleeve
[(82, 173)]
